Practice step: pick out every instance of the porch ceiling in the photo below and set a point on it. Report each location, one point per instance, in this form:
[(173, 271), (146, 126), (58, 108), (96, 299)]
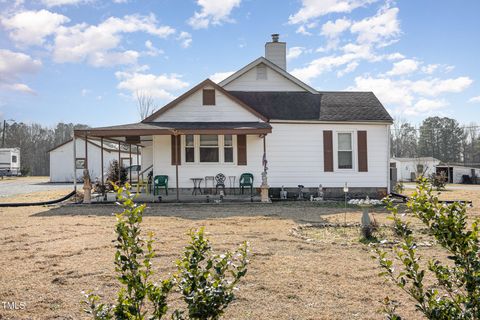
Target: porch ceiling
[(176, 128)]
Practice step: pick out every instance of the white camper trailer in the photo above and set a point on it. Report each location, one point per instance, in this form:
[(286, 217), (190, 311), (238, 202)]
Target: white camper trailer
[(9, 162)]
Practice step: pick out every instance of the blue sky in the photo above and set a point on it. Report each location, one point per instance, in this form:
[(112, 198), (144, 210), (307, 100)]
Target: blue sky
[(82, 61)]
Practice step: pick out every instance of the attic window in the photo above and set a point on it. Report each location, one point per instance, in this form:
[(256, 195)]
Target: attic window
[(208, 97), (261, 72)]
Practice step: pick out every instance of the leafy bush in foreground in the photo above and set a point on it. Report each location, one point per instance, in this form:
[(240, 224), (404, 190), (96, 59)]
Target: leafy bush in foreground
[(205, 280), (455, 293)]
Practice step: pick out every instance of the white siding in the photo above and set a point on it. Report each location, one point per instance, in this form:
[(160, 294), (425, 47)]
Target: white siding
[(147, 156), (406, 167), (192, 109), (275, 82), (458, 172), (61, 161), (162, 164), (295, 156)]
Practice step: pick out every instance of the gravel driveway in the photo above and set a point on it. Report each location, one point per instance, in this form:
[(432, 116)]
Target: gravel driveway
[(14, 186)]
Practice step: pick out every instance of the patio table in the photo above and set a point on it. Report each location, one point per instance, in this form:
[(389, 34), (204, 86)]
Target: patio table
[(196, 185)]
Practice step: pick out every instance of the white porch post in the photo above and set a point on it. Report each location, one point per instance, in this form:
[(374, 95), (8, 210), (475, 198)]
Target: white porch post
[(75, 165), (264, 187), (176, 165)]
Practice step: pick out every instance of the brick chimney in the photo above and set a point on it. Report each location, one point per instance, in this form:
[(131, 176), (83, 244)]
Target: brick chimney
[(276, 52)]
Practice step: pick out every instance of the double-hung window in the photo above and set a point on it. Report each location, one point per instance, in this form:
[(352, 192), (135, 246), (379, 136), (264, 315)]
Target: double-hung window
[(189, 148), (228, 148), (209, 148), (345, 150)]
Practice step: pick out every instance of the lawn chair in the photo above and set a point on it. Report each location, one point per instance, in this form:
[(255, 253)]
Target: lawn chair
[(158, 182), (143, 185), (220, 182), (246, 180)]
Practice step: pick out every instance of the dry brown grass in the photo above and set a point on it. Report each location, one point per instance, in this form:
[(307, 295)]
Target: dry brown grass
[(50, 254)]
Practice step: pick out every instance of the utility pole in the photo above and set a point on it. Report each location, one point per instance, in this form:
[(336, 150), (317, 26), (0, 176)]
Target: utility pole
[(4, 131)]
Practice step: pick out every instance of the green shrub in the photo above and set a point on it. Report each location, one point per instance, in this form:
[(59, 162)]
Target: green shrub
[(399, 187), (203, 280), (438, 180), (207, 281), (113, 175), (455, 293)]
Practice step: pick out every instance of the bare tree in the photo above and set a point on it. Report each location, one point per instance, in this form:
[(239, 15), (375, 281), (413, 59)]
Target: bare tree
[(145, 104)]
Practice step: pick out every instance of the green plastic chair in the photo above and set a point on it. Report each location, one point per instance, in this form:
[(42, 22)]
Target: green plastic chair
[(158, 182), (246, 180)]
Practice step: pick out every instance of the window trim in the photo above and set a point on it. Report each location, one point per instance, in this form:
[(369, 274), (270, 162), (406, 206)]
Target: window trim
[(335, 154), (221, 150)]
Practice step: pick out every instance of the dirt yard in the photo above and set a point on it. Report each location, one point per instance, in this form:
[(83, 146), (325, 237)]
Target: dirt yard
[(50, 254)]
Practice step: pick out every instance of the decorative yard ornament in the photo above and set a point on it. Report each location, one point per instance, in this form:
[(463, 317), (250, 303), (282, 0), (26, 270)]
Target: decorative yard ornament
[(87, 187), (264, 187), (283, 194)]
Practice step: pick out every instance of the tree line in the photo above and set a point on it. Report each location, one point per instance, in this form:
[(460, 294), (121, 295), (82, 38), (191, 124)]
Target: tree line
[(34, 141), (440, 137)]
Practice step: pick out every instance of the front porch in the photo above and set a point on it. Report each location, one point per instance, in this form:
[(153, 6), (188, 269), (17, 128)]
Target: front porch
[(196, 157)]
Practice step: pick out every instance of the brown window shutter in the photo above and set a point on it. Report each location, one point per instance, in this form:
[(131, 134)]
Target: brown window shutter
[(362, 151), (176, 141), (242, 150), (327, 151), (208, 97)]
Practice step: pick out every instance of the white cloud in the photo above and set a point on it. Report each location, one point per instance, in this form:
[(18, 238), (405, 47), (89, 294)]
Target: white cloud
[(426, 106), (158, 86), (403, 67), (212, 12), (95, 44), (352, 66), (312, 9), (411, 97), (303, 30), (379, 29), (219, 76), (334, 29), (54, 3), (21, 87), (352, 53), (434, 87), (185, 39), (429, 69), (474, 99), (12, 66), (294, 52), (152, 50), (31, 27)]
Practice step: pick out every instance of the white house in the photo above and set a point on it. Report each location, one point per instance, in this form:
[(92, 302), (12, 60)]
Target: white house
[(9, 161), (262, 112), (408, 169), (61, 159)]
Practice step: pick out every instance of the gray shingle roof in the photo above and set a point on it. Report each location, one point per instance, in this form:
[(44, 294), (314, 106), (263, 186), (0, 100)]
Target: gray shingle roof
[(324, 106)]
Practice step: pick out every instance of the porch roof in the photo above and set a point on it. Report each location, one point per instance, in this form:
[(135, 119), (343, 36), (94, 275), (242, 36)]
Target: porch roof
[(169, 128)]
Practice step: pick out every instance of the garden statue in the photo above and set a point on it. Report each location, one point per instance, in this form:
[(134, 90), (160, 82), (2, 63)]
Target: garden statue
[(87, 187), (264, 186), (283, 194)]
